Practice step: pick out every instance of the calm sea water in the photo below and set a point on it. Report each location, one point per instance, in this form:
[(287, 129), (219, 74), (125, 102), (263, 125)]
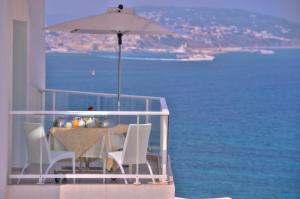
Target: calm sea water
[(234, 123)]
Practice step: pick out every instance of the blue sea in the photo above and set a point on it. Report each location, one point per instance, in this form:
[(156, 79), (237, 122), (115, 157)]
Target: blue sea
[(234, 122)]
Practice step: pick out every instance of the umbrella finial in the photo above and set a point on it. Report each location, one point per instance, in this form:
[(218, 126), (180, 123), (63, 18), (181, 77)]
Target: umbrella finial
[(120, 6)]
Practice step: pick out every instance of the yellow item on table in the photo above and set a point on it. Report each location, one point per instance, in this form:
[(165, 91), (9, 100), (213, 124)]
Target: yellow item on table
[(75, 123)]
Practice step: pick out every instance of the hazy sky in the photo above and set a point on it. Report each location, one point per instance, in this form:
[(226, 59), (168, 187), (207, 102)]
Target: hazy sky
[(61, 10)]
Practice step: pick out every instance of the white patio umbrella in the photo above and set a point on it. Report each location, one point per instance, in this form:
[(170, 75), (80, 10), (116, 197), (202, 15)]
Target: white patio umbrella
[(119, 21)]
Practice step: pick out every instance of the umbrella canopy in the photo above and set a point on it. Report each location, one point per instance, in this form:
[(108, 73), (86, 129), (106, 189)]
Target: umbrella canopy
[(117, 21), (113, 21)]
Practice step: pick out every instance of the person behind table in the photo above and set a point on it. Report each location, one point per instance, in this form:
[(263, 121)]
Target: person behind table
[(90, 108)]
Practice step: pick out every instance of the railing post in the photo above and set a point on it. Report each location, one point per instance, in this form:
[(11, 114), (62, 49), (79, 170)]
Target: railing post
[(10, 144), (43, 105), (137, 179), (98, 103), (41, 136), (43, 100), (164, 144), (53, 104), (53, 101), (41, 159), (147, 109)]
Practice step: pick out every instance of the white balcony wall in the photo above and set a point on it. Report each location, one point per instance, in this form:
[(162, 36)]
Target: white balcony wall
[(5, 90), (19, 91), (32, 13), (28, 66), (26, 55)]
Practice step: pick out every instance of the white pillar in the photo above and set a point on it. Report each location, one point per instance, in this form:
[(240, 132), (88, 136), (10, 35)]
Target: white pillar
[(36, 54), (9, 10), (5, 90)]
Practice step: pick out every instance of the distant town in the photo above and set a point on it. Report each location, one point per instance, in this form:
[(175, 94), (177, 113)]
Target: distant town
[(200, 34)]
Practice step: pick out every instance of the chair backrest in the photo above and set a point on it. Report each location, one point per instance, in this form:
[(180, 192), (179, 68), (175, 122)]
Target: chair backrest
[(136, 144), (36, 142)]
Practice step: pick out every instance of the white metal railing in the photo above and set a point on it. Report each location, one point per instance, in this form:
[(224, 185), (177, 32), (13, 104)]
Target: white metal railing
[(162, 101), (163, 113), (100, 94), (95, 113), (147, 99)]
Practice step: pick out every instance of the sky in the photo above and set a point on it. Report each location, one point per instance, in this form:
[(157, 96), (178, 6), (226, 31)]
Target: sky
[(62, 10)]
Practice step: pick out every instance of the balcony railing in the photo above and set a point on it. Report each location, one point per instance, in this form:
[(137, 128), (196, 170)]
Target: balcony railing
[(35, 138)]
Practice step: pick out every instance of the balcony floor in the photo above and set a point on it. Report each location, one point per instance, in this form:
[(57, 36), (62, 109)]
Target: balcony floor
[(94, 188), (95, 167), (91, 191)]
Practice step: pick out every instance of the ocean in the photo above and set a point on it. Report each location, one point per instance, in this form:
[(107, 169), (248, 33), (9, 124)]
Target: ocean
[(234, 122)]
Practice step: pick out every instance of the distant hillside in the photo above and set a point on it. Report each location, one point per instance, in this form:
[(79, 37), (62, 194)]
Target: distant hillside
[(197, 28), (206, 27)]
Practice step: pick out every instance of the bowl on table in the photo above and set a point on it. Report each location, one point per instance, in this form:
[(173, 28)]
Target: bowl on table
[(90, 123), (59, 122)]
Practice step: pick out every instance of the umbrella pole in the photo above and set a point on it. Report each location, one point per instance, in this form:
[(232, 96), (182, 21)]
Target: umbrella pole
[(119, 71)]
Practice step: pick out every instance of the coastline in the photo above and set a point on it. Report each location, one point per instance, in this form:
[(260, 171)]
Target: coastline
[(204, 54)]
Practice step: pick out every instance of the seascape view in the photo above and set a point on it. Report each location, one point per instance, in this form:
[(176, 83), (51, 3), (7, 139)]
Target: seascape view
[(137, 99), (234, 121)]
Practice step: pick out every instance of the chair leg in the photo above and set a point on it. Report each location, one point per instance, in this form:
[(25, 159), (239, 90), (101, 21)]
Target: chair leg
[(122, 169), (104, 169), (123, 172), (48, 169), (23, 170), (151, 172), (73, 169)]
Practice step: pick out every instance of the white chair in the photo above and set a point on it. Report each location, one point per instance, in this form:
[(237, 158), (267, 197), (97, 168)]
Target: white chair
[(135, 148), (107, 142), (37, 142)]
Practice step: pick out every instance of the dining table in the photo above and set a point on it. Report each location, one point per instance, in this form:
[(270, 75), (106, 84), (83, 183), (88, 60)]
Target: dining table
[(81, 140)]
